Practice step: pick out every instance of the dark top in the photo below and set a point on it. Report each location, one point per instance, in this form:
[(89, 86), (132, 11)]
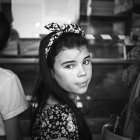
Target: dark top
[(54, 122)]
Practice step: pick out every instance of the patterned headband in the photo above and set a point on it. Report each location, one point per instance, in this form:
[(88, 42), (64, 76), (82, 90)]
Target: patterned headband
[(72, 28)]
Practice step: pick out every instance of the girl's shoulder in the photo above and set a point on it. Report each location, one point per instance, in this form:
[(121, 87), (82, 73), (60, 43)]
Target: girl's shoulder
[(57, 120), (57, 111), (59, 107)]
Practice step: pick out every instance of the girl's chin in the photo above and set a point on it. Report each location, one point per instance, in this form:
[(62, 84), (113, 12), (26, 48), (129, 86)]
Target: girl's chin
[(81, 91), (78, 91)]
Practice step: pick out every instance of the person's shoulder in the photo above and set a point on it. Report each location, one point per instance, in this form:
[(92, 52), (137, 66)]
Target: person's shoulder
[(6, 74), (59, 109)]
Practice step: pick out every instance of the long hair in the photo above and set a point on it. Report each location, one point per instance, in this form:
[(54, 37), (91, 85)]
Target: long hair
[(47, 85), (4, 30)]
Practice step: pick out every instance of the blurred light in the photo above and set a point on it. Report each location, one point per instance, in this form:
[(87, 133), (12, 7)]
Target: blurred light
[(34, 105), (106, 37), (88, 97), (90, 36), (28, 97), (78, 98), (121, 37), (37, 24), (79, 104)]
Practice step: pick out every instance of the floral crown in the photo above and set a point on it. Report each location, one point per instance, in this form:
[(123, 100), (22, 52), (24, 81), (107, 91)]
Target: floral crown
[(72, 28)]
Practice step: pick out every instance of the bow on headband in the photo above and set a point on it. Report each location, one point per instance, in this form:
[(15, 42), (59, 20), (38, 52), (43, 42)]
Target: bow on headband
[(73, 28)]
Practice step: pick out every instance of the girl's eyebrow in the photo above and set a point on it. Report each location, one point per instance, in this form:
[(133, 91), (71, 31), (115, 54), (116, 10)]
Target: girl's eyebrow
[(67, 62), (87, 57)]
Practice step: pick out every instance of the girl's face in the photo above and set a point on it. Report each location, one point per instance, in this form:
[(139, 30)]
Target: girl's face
[(73, 69)]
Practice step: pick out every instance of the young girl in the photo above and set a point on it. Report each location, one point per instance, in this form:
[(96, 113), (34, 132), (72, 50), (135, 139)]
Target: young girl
[(65, 72)]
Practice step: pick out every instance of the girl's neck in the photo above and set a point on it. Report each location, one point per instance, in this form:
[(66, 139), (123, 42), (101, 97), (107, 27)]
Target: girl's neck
[(73, 97), (52, 101)]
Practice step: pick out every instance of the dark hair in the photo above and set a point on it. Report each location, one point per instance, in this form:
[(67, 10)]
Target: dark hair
[(47, 85), (4, 30)]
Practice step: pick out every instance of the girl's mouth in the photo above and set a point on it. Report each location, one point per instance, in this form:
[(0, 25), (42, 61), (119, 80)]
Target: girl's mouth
[(82, 84)]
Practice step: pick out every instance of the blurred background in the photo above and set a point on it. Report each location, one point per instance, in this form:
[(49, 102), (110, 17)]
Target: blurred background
[(113, 31)]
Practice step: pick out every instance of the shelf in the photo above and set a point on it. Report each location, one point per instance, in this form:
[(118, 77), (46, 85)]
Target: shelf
[(34, 60), (114, 18), (113, 61), (18, 60)]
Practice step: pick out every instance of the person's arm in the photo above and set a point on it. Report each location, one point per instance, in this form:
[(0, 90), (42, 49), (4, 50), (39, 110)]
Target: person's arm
[(12, 104), (12, 129)]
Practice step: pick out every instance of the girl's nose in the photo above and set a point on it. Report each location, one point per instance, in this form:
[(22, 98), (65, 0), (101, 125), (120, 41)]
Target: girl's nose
[(81, 71)]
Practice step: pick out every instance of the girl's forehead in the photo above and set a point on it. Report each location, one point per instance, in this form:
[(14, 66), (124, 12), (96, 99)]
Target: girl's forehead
[(72, 53)]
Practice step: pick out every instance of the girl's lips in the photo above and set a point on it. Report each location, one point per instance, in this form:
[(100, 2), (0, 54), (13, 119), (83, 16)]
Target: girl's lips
[(82, 84)]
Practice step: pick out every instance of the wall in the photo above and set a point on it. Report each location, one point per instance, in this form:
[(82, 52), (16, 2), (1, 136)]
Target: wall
[(31, 16)]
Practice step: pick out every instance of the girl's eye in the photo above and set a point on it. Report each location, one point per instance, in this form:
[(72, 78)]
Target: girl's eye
[(69, 66), (86, 62)]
